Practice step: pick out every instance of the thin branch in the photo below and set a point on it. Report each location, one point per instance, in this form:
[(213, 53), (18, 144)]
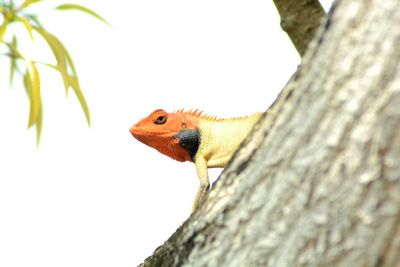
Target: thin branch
[(300, 19)]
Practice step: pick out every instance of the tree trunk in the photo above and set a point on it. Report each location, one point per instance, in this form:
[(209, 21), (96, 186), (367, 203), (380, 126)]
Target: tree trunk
[(318, 181)]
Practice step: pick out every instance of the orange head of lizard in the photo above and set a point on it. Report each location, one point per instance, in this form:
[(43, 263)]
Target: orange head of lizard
[(172, 134)]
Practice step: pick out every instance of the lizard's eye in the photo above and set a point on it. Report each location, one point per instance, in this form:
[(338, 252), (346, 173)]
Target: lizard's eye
[(161, 120)]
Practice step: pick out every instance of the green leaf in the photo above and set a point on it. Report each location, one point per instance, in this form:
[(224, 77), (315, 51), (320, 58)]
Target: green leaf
[(75, 86), (27, 85), (32, 80), (29, 2), (3, 28), (34, 20), (68, 58), (63, 61), (27, 25), (39, 123), (13, 59), (58, 51), (66, 54), (83, 9), (39, 118)]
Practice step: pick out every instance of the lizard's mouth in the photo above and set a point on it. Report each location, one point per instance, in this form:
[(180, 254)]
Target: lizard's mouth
[(136, 131), (151, 138), (178, 147)]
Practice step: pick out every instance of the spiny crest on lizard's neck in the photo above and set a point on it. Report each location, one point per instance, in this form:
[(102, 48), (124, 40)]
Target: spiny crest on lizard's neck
[(199, 114)]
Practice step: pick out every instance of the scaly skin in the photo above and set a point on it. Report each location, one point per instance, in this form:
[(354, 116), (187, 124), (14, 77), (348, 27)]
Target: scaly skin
[(207, 141)]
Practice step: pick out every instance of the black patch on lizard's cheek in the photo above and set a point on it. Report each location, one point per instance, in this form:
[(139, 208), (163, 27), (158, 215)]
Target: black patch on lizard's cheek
[(189, 140)]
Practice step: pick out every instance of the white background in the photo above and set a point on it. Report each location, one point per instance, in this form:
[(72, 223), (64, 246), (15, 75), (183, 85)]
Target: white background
[(96, 196)]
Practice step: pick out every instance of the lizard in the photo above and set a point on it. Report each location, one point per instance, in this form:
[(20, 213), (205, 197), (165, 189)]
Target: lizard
[(191, 135)]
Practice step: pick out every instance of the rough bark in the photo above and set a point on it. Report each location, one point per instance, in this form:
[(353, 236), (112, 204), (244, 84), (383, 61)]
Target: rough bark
[(300, 20), (318, 181)]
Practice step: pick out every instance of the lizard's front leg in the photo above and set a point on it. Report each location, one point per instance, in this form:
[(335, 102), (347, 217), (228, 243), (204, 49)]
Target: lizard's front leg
[(202, 173)]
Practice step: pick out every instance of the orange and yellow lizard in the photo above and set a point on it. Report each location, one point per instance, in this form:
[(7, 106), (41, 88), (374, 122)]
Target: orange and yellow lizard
[(206, 140)]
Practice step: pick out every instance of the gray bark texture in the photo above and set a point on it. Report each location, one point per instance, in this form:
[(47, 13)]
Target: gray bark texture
[(317, 183)]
